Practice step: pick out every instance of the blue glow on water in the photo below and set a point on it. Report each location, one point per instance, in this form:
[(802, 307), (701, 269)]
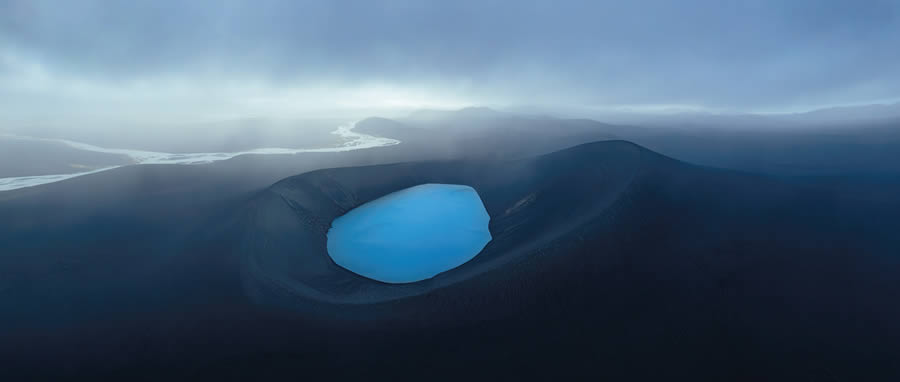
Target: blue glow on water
[(412, 234)]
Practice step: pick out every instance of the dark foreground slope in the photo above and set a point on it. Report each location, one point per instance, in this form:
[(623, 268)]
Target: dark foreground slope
[(607, 260)]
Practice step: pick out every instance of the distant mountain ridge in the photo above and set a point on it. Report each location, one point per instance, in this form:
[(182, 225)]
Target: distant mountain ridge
[(776, 144), (848, 113), (425, 115), (836, 115)]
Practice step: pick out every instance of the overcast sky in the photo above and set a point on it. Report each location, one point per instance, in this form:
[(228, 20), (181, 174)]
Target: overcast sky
[(209, 59)]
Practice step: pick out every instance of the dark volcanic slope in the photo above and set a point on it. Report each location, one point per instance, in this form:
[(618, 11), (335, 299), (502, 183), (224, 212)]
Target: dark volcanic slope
[(531, 203), (608, 260)]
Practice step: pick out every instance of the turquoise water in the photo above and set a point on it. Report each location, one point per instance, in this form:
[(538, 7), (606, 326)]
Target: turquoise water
[(412, 234)]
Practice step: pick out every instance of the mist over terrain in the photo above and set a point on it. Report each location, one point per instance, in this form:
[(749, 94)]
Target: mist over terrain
[(343, 190)]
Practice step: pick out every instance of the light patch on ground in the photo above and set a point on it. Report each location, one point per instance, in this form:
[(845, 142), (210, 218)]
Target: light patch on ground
[(352, 141)]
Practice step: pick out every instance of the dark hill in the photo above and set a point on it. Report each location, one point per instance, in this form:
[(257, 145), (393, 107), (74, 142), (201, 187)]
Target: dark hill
[(608, 261)]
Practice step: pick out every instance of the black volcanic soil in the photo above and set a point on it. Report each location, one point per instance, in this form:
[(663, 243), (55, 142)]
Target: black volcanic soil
[(608, 261), (531, 203)]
